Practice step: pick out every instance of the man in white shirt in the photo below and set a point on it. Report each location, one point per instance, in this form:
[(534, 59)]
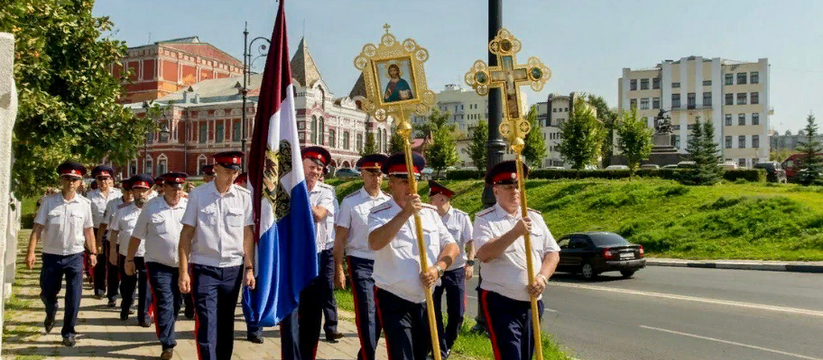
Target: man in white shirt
[(505, 290), (112, 250), (158, 230), (453, 282), (351, 242), (64, 222), (217, 236), (398, 277), (122, 225), (100, 197), (326, 266)]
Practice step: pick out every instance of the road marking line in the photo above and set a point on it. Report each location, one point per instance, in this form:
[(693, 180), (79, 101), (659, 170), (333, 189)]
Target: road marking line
[(782, 309), (731, 343), (544, 310)]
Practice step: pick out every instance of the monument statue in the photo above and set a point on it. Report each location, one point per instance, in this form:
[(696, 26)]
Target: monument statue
[(662, 123)]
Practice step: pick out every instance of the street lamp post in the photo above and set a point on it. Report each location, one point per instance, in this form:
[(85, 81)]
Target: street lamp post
[(163, 131), (495, 144), (247, 62)]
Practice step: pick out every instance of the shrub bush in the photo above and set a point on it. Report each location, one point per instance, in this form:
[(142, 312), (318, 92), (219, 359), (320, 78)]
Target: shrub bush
[(750, 175), (465, 174)]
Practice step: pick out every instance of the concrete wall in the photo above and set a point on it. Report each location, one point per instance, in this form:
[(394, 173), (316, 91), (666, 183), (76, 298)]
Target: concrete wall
[(8, 113)]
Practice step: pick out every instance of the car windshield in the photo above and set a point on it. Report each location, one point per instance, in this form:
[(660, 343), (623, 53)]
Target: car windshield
[(608, 240)]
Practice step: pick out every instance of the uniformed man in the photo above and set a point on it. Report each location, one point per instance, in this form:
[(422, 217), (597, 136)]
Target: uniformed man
[(104, 177), (505, 290), (327, 272), (217, 232), (112, 251), (300, 331), (158, 230), (208, 173), (158, 186), (351, 239), (64, 222), (254, 333), (453, 282), (122, 225), (398, 277)]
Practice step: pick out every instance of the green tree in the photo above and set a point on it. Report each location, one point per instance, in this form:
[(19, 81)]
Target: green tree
[(535, 148), (582, 136), (395, 143), (634, 139), (478, 141), (811, 150), (609, 118), (370, 147), (67, 97), (704, 152), (442, 152)]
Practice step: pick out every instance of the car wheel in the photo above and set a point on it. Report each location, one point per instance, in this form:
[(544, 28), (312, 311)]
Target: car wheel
[(627, 273), (587, 270)]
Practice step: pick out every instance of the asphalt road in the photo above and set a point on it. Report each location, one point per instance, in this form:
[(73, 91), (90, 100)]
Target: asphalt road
[(685, 313)]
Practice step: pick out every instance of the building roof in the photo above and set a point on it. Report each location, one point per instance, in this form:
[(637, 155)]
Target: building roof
[(189, 39), (359, 88), (303, 69)]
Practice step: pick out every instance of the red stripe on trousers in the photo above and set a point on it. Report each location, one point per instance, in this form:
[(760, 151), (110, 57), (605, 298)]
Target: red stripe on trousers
[(153, 306), (380, 318), (356, 312), (196, 317), (485, 301)]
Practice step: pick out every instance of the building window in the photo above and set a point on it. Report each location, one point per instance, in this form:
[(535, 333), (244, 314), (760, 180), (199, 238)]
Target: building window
[(755, 141), (675, 101), (707, 83), (360, 142), (218, 133), (301, 136), (741, 78), (301, 125), (201, 163), (741, 162), (162, 166), (313, 130), (656, 83), (644, 84), (132, 168), (567, 109), (644, 104), (203, 133), (707, 98), (755, 118), (236, 131), (148, 166), (755, 98), (321, 131), (632, 103), (729, 99), (692, 100), (676, 127), (554, 110), (741, 142), (346, 140), (385, 141), (728, 142), (677, 141), (149, 138), (754, 77), (676, 85), (656, 103), (728, 119), (633, 84), (379, 141), (332, 138), (164, 137), (741, 119), (741, 98), (729, 79)]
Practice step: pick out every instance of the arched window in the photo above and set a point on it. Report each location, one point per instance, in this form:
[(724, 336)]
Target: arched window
[(162, 164), (345, 140), (359, 142), (321, 132), (148, 166), (379, 142), (332, 138), (313, 130), (201, 163), (132, 168)]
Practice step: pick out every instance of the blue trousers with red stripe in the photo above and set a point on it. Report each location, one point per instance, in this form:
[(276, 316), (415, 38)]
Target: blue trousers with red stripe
[(215, 291), (138, 282), (300, 331), (406, 325), (365, 314), (167, 298), (509, 325), (51, 281), (453, 283)]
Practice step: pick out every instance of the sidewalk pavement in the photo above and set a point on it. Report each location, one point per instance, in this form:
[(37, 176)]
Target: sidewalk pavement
[(792, 266), (102, 335)]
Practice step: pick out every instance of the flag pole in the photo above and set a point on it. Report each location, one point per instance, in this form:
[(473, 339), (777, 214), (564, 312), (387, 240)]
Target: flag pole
[(404, 129)]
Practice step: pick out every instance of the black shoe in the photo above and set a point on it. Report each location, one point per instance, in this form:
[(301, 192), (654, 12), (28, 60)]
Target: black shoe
[(145, 324), (69, 340), (112, 303), (446, 356), (189, 314), (167, 354), (49, 323), (256, 339), (131, 311), (99, 295), (124, 315), (333, 337)]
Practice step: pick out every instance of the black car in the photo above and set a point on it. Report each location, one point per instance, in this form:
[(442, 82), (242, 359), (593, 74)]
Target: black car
[(774, 172), (592, 253)]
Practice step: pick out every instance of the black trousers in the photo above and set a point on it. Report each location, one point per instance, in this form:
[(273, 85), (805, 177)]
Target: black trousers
[(138, 282), (453, 283), (300, 331), (326, 263), (51, 281), (365, 314), (99, 271), (510, 325), (215, 291), (112, 271), (406, 326)]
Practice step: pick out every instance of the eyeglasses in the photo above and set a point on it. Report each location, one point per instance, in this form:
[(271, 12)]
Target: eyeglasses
[(101, 178), (508, 187)]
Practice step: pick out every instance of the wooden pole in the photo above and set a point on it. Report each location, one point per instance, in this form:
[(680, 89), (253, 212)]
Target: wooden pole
[(524, 212)]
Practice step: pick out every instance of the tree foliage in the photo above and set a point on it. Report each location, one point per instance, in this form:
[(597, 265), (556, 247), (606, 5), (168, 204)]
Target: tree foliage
[(634, 139), (442, 152), (395, 142), (811, 149), (67, 96), (535, 148), (478, 142), (609, 118), (582, 136), (370, 147), (705, 153)]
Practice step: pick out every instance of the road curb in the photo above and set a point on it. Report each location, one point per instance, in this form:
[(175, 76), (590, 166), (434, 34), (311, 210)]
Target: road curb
[(739, 265)]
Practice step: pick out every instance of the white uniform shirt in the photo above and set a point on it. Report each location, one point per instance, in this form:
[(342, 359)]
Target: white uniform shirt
[(354, 215), (111, 208), (219, 221), (99, 203), (123, 222), (63, 224), (159, 229), (506, 274), (460, 227), (322, 195), (330, 223), (397, 265)]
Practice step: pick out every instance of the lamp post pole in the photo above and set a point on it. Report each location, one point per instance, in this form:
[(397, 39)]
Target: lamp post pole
[(146, 140), (247, 62), (495, 144)]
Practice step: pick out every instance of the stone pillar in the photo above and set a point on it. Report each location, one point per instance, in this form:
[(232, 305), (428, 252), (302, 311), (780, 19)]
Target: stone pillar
[(8, 112)]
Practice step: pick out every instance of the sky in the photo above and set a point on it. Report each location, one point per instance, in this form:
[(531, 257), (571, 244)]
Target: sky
[(586, 43)]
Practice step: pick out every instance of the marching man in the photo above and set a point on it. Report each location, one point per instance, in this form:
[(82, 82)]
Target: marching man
[(64, 222), (351, 239), (326, 265), (158, 230), (100, 198), (112, 268), (453, 282), (122, 225), (208, 173), (218, 237), (505, 290), (400, 282)]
